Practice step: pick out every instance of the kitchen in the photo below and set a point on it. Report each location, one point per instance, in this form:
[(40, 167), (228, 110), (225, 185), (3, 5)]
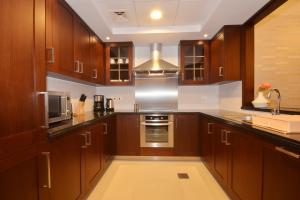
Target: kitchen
[(137, 99)]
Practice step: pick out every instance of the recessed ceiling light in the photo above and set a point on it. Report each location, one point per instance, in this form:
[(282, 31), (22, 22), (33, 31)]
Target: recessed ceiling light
[(107, 38), (156, 14), (205, 35)]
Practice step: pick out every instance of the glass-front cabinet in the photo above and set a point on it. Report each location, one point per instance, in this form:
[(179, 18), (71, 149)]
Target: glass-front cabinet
[(194, 58), (119, 61)]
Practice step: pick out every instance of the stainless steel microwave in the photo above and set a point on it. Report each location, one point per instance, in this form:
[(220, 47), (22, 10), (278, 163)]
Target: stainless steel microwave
[(59, 106)]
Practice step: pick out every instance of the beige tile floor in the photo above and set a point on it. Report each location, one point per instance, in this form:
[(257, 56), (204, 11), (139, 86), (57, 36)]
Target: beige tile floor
[(157, 180)]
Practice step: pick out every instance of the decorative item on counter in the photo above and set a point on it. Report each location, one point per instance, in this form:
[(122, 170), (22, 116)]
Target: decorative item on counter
[(261, 101), (80, 106), (110, 105)]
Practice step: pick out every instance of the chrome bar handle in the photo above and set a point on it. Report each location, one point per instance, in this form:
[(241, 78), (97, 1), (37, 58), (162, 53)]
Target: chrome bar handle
[(85, 140), (52, 55), (226, 138), (95, 74), (47, 154), (105, 128), (221, 71), (81, 67), (210, 128), (289, 153), (89, 136), (76, 66), (223, 132), (46, 123)]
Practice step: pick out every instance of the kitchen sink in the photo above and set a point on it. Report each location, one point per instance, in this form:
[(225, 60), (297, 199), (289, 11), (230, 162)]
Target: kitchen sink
[(288, 124)]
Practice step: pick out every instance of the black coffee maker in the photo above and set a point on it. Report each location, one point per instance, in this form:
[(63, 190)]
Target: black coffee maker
[(99, 103)]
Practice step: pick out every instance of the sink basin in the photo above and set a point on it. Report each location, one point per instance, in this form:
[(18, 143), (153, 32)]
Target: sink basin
[(284, 123)]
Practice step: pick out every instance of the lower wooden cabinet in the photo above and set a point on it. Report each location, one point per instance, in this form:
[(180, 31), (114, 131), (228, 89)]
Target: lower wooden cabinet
[(187, 136), (246, 166), (20, 182), (65, 166), (281, 173), (128, 134), (206, 130)]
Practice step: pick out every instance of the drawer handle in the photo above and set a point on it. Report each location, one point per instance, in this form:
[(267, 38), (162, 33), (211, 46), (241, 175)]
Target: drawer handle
[(47, 154), (226, 138), (223, 139), (89, 136), (52, 55), (289, 153), (221, 71), (105, 128), (85, 141), (210, 128)]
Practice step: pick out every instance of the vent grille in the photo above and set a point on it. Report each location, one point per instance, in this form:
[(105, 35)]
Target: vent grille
[(183, 176), (119, 16)]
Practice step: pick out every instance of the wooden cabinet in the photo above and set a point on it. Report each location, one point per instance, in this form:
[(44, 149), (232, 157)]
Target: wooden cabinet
[(22, 77), (281, 174), (59, 38), (194, 61), (92, 153), (246, 170), (187, 136), (119, 62), (221, 149), (225, 55), (206, 130), (128, 134), (108, 140), (81, 50), (96, 71), (65, 166), (20, 181)]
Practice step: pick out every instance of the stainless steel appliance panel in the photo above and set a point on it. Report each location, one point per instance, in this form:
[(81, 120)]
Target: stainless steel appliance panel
[(59, 106), (157, 93)]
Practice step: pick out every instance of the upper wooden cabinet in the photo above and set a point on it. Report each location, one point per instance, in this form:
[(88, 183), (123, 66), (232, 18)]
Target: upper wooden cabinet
[(225, 55), (59, 38), (194, 62), (81, 50), (119, 62), (96, 70)]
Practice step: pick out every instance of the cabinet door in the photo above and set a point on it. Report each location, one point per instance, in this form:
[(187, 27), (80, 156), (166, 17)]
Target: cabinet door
[(20, 182), (18, 116), (187, 136), (216, 59), (119, 62), (281, 174), (246, 169), (92, 153), (128, 135), (82, 49), (206, 130), (97, 60), (221, 158), (108, 140), (59, 38), (66, 166), (194, 62)]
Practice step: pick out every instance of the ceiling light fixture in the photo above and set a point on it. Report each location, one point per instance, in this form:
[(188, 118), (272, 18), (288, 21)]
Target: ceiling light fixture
[(156, 14), (205, 35), (107, 38)]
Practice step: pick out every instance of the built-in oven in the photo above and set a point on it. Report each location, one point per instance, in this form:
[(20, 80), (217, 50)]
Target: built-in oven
[(59, 106), (157, 130)]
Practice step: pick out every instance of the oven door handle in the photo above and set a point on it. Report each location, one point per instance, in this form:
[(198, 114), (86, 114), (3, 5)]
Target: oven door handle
[(156, 124)]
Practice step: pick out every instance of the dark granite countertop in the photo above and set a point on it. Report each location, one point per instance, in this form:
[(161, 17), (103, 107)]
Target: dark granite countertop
[(227, 117)]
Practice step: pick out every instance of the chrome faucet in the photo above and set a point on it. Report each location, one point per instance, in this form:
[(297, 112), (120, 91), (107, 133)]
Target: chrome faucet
[(275, 111)]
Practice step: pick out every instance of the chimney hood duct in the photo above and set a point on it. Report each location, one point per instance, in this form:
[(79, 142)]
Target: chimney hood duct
[(156, 65)]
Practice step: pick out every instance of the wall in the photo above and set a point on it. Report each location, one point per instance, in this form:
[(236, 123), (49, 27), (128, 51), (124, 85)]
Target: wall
[(230, 96), (75, 89), (277, 47), (189, 97)]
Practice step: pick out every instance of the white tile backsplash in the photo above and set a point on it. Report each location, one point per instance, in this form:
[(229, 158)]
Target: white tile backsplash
[(231, 96), (75, 89)]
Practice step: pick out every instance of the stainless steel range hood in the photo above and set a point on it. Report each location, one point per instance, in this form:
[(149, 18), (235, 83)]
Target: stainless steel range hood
[(156, 66), (156, 83)]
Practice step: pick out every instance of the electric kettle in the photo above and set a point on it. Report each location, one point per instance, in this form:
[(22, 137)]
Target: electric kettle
[(109, 105)]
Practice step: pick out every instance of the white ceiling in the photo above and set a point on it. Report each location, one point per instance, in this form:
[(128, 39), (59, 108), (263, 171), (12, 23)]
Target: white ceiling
[(182, 19)]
